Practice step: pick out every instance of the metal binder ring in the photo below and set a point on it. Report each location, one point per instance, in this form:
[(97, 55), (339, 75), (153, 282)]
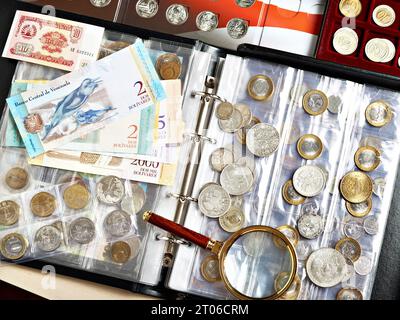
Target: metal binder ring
[(182, 198), (172, 239), (211, 95), (198, 137)]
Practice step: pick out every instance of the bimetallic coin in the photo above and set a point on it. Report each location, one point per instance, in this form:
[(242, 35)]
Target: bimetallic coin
[(120, 252), (290, 233), (13, 246), (367, 158), (245, 3), (384, 16), (147, 8), (241, 134), (349, 248), (236, 179), (76, 196), (352, 228), (9, 213), (260, 87), (371, 225), (237, 28), (220, 158), (232, 124), (359, 210), (224, 110), (326, 267), (350, 8), (378, 113), (43, 204), (118, 223), (380, 50), (349, 294), (309, 181), (177, 14), (315, 102), (233, 220), (82, 230), (17, 178), (345, 41), (310, 146), (246, 114), (169, 66), (210, 269), (379, 186), (290, 195), (207, 21), (335, 104), (310, 226), (33, 123), (48, 238), (214, 201), (356, 187), (262, 140), (110, 190), (293, 292), (363, 266)]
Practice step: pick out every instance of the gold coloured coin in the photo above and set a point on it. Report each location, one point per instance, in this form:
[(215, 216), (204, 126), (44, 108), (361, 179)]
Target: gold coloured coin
[(315, 102), (359, 210), (169, 66), (260, 87), (310, 146), (9, 213), (43, 204), (367, 158), (349, 248), (293, 292), (13, 246), (349, 294), (290, 195), (241, 133), (76, 196), (356, 187), (379, 113), (120, 252), (350, 8), (291, 233), (210, 269), (17, 178)]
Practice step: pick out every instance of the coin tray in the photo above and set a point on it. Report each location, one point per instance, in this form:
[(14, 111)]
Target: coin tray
[(366, 29)]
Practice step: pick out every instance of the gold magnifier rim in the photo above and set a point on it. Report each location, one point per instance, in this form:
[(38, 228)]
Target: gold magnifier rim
[(228, 244)]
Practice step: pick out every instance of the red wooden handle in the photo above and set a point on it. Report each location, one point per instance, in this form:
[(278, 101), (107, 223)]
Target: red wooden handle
[(177, 229)]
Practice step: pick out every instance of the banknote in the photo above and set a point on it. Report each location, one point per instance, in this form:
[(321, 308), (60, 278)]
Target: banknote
[(52, 42), (86, 100)]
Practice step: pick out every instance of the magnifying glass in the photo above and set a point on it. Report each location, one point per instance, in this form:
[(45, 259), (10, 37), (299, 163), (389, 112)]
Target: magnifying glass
[(250, 260)]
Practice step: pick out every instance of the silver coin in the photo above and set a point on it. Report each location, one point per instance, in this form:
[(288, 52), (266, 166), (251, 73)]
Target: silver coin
[(350, 272), (118, 223), (236, 179), (371, 225), (224, 110), (214, 201), (110, 190), (246, 114), (379, 186), (262, 140), (363, 266), (100, 3), (135, 243), (335, 104), (245, 3), (310, 207), (326, 267), (310, 226), (134, 203), (345, 41), (220, 158), (207, 21), (232, 124), (303, 250), (309, 181), (237, 28), (48, 238), (177, 14), (247, 162), (256, 243), (82, 230), (352, 228), (233, 220), (147, 8)]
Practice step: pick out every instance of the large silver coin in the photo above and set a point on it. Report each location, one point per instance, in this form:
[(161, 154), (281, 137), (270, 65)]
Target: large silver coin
[(214, 201), (118, 223), (236, 179), (177, 14), (262, 140), (48, 238), (220, 158), (147, 8), (207, 21), (232, 124), (82, 230), (310, 226), (237, 28), (134, 203), (309, 181), (363, 266), (371, 225), (326, 267), (100, 3), (233, 220), (110, 190)]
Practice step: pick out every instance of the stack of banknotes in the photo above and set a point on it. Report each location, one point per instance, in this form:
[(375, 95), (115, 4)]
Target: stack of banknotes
[(112, 116)]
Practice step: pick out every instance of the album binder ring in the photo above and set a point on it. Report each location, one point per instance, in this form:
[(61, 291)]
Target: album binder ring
[(172, 239), (182, 198), (197, 137), (210, 95)]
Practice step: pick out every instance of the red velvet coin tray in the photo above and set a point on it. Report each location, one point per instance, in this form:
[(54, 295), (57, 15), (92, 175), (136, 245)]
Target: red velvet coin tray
[(366, 29)]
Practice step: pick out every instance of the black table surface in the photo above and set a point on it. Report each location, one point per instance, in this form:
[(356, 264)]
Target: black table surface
[(387, 281)]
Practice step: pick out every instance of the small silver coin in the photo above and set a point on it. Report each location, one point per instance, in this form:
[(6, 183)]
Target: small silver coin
[(100, 3), (177, 14), (48, 238), (310, 207), (207, 21), (262, 140), (237, 28), (110, 190), (335, 104), (220, 158), (214, 201), (82, 230), (232, 124), (245, 3), (224, 111), (303, 250), (352, 227), (371, 225), (379, 186), (309, 181), (147, 8), (310, 226), (236, 179), (363, 266), (233, 220), (118, 223)]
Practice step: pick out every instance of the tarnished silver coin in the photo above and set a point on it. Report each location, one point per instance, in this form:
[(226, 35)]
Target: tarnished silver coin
[(100, 3), (303, 250), (177, 14), (371, 225), (309, 181), (48, 238), (224, 111), (363, 266), (110, 190), (207, 21), (246, 114), (220, 158), (236, 179), (245, 3), (335, 104), (147, 8), (262, 140), (82, 230), (214, 201), (233, 220), (352, 227), (378, 186), (232, 124), (118, 223), (310, 226), (237, 28), (326, 267)]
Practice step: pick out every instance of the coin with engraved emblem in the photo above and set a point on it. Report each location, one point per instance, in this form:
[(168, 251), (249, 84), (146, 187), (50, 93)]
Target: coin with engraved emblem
[(110, 190), (356, 187), (260, 87), (246, 114), (309, 146), (367, 158), (43, 204), (9, 213), (147, 8), (345, 41), (100, 3), (380, 50), (33, 123), (241, 134), (290, 195), (82, 230), (363, 266), (335, 104), (291, 233), (48, 238), (177, 14), (232, 124), (378, 113), (262, 140), (379, 186), (350, 8), (17, 178), (294, 290), (352, 227), (310, 226), (210, 269), (384, 16), (349, 248), (371, 225), (76, 196), (118, 223), (361, 209), (214, 201), (207, 21), (237, 28), (120, 252), (349, 294), (233, 220), (236, 179), (169, 66), (224, 110), (315, 102), (309, 181), (220, 158), (13, 246)]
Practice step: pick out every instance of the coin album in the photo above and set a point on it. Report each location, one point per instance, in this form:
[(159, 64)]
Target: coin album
[(330, 127)]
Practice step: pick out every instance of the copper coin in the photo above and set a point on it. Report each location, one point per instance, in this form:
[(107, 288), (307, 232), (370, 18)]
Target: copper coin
[(33, 123), (43, 204), (169, 66), (76, 197), (17, 178), (120, 252)]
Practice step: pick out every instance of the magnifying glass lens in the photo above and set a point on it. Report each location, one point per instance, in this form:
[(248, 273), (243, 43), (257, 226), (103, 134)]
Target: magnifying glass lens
[(254, 262)]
